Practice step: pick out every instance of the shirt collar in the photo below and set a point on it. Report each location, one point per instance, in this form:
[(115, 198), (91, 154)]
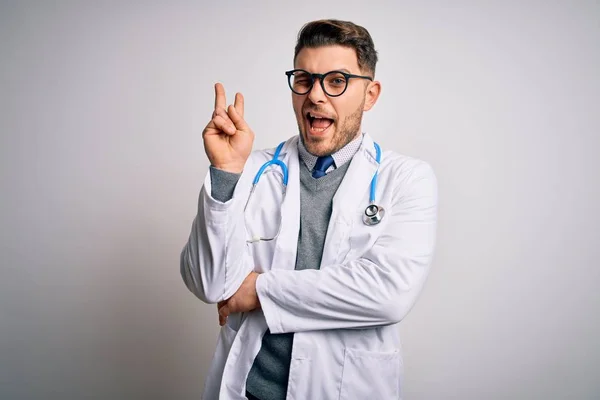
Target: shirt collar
[(340, 157)]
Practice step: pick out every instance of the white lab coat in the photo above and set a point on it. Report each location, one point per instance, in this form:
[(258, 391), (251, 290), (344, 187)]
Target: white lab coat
[(345, 316)]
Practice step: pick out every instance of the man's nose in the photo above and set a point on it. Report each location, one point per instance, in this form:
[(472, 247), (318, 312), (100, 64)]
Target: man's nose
[(316, 94)]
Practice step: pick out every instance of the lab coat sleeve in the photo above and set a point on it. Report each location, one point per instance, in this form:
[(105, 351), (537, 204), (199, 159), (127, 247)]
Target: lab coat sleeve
[(213, 262), (376, 289)]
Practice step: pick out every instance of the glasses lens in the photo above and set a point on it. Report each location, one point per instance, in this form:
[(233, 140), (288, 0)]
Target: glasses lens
[(335, 83), (300, 82)]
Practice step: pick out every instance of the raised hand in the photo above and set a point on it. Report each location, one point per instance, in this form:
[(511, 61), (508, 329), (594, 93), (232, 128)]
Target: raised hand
[(227, 138)]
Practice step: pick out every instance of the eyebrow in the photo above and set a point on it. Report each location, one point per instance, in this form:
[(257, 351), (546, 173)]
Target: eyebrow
[(336, 69)]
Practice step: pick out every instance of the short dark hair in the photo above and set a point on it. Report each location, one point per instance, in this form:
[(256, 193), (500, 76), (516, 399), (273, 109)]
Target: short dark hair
[(329, 32)]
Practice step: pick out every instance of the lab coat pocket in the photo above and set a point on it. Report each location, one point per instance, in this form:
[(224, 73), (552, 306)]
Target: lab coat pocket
[(363, 237), (371, 375), (298, 384), (262, 214)]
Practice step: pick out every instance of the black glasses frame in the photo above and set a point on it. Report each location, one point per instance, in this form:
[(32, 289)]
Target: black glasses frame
[(321, 77)]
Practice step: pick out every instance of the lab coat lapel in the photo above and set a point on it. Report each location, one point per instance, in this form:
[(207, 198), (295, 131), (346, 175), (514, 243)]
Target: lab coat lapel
[(351, 193), (286, 245)]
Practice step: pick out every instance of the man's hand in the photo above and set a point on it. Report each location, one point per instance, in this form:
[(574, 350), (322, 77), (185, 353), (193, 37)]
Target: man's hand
[(227, 138), (244, 300)]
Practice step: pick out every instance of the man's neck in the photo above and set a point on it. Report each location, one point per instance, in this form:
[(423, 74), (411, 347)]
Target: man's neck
[(340, 156)]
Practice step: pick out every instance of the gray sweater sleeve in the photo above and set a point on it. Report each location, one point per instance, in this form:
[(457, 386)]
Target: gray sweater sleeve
[(223, 184)]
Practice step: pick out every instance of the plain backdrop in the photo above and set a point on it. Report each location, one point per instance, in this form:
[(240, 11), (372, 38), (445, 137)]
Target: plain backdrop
[(102, 105)]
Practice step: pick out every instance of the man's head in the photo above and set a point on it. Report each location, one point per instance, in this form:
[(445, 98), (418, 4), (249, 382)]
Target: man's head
[(324, 46)]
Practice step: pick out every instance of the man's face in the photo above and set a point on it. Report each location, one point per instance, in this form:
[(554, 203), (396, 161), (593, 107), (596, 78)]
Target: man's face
[(341, 116)]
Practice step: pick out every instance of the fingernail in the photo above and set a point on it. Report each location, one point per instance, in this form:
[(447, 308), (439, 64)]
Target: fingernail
[(232, 129)]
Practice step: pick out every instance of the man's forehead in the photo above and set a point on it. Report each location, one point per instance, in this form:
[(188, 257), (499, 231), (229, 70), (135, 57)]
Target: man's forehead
[(327, 58)]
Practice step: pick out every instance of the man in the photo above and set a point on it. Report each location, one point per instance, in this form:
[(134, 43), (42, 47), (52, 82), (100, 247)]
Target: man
[(310, 288)]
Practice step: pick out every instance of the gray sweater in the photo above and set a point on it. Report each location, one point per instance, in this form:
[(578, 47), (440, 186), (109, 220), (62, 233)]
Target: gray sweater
[(268, 377)]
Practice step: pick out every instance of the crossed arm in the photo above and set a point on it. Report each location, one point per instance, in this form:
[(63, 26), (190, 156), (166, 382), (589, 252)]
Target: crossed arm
[(379, 288)]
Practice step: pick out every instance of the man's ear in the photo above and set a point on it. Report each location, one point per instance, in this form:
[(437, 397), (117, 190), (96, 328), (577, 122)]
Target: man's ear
[(372, 94)]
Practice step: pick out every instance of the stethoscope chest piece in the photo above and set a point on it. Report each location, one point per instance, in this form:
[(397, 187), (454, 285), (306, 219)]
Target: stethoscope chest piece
[(373, 214)]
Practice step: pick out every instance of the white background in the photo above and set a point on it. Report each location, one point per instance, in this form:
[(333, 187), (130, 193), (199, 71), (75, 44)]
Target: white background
[(102, 105)]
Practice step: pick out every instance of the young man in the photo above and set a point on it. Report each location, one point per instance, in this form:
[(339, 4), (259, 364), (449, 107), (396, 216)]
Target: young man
[(311, 280)]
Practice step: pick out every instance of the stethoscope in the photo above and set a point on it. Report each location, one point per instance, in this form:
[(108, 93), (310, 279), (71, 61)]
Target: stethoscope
[(373, 213)]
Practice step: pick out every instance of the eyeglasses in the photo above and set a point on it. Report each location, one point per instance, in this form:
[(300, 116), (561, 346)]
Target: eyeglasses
[(333, 83)]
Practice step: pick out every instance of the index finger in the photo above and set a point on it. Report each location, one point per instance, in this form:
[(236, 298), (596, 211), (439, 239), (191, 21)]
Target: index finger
[(219, 96)]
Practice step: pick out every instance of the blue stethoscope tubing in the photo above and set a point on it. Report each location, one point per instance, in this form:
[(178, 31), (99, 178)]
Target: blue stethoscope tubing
[(374, 180), (373, 213), (274, 161)]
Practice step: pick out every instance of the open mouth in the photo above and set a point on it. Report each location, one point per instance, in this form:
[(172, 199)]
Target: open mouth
[(318, 124)]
